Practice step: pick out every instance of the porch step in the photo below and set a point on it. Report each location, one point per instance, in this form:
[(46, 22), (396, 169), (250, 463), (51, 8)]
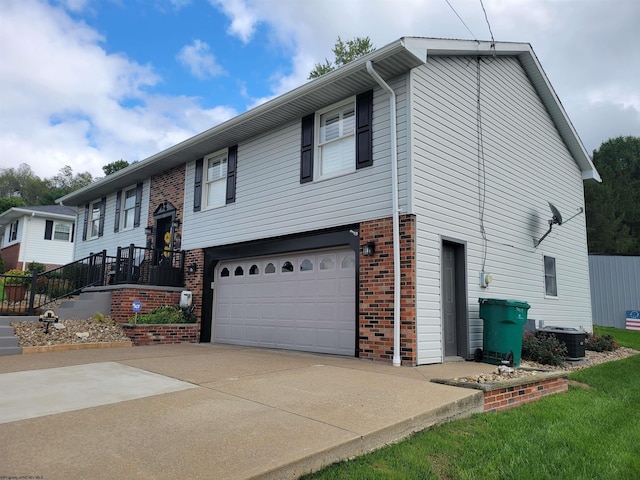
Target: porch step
[(85, 306), (9, 344)]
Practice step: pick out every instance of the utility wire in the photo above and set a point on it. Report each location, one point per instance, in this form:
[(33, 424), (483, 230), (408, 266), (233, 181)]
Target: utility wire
[(460, 18), (493, 42), (482, 174)]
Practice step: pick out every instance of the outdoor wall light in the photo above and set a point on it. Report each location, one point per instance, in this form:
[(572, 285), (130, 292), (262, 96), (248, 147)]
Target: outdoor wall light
[(148, 231), (193, 268), (175, 224), (368, 249)]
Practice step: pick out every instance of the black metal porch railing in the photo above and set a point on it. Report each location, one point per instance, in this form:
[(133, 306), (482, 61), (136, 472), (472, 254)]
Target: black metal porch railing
[(31, 293), (147, 266)]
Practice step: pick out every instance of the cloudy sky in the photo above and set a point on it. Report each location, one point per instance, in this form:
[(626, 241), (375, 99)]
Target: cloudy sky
[(87, 82)]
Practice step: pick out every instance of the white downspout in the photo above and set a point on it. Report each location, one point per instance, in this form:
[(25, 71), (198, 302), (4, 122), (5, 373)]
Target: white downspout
[(396, 213)]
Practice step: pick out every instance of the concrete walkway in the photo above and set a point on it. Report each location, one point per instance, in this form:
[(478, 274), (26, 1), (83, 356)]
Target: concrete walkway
[(210, 411)]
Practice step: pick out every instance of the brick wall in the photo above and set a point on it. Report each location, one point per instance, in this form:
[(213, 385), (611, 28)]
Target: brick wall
[(377, 287), (10, 256), (123, 298), (162, 334), (168, 186), (510, 397)]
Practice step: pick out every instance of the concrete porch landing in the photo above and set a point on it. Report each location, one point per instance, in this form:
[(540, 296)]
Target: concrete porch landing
[(216, 411)]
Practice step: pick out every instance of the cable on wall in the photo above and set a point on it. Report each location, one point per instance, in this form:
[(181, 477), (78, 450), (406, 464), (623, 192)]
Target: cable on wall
[(482, 174)]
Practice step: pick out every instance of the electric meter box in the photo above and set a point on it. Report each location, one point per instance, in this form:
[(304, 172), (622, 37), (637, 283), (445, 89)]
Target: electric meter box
[(185, 299)]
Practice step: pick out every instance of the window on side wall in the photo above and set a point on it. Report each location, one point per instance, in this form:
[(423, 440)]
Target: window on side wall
[(216, 179), (94, 219), (550, 280)]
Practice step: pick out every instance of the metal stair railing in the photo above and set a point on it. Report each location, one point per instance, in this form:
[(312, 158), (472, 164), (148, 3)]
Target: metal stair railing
[(45, 288)]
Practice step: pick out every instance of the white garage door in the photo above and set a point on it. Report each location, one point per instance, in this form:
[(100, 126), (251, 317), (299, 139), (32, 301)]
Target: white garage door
[(302, 301)]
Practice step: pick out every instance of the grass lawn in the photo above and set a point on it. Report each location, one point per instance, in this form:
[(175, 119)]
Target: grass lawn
[(590, 432)]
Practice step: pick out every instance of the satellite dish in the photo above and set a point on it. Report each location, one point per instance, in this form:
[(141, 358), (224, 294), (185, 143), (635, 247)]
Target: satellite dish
[(557, 218)]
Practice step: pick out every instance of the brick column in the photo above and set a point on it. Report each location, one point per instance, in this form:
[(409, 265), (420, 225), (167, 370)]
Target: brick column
[(377, 287)]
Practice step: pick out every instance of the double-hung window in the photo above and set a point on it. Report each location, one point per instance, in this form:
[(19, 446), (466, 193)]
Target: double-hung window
[(62, 231), (336, 140), (128, 208), (13, 231), (550, 281), (216, 179), (94, 219)]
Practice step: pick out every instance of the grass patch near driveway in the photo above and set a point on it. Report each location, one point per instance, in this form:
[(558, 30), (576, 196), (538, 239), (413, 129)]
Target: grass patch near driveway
[(582, 434)]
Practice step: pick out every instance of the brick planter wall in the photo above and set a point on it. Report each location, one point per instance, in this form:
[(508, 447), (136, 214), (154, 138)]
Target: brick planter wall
[(150, 297), (376, 291), (163, 334), (511, 397)]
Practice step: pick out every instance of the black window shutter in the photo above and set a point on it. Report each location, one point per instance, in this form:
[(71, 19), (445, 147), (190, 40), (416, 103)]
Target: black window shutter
[(306, 149), (232, 164), (48, 230), (73, 231), (103, 207), (364, 118), (116, 223), (197, 187), (136, 215), (86, 222)]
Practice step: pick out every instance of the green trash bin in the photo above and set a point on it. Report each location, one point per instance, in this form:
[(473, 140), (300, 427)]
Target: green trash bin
[(502, 336)]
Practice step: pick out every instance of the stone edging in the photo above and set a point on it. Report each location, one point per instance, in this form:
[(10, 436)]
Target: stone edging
[(511, 382), (74, 346)]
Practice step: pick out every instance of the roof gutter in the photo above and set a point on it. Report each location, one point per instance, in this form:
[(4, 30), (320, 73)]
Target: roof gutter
[(396, 212)]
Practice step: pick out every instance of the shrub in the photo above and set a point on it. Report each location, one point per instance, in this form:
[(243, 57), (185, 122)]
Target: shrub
[(57, 288), (18, 277), (33, 265), (164, 314), (543, 348), (605, 343)]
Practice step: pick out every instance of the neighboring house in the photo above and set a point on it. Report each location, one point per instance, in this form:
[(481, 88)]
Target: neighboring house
[(323, 218), (615, 288), (43, 233)]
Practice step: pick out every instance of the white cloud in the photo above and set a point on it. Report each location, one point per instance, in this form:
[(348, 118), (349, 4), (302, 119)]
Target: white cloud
[(242, 15), (68, 102), (201, 63)]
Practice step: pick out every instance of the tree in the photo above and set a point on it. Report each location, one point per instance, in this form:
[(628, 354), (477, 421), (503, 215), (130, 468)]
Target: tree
[(21, 183), (344, 52), (113, 167), (613, 206)]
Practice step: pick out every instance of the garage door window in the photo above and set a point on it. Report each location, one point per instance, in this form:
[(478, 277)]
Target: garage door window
[(287, 267), (254, 270), (238, 272), (270, 268), (224, 272), (306, 265), (327, 263), (348, 262)]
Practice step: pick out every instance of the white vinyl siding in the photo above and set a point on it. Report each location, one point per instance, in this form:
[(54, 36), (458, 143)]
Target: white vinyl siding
[(336, 152), (272, 202), (35, 248), (110, 240), (526, 165)]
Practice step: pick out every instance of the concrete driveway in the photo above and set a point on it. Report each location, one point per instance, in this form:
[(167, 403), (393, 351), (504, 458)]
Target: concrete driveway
[(210, 411)]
